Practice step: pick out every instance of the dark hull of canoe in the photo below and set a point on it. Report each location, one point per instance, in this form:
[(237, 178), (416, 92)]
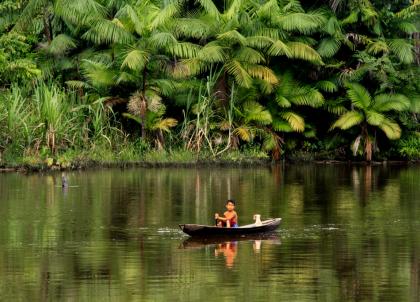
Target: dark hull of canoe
[(205, 230)]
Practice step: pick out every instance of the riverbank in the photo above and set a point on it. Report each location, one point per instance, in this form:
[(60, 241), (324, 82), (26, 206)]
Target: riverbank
[(151, 159), (108, 159)]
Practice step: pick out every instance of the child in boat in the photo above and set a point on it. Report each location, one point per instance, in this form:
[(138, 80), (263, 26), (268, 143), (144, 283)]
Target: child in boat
[(229, 218)]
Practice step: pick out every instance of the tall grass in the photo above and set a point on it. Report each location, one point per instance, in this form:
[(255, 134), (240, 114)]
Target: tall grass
[(14, 116), (48, 120)]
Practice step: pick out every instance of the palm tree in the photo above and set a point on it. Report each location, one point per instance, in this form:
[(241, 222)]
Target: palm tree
[(369, 113), (246, 35), (148, 110)]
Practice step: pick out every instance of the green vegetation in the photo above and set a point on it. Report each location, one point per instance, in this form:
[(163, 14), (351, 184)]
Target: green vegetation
[(158, 80)]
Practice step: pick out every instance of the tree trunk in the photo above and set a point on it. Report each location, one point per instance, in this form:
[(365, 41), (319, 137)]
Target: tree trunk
[(47, 26), (143, 106), (368, 148), (222, 87)]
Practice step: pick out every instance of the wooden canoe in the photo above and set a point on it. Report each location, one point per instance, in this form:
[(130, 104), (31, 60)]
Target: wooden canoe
[(268, 225)]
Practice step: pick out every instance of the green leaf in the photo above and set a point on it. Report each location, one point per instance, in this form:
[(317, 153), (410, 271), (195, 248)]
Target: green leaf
[(303, 51), (304, 23), (253, 111), (163, 40), (282, 126), (327, 86), (358, 95), (328, 47), (135, 59), (403, 50), (241, 76), (374, 118), (390, 128), (132, 117), (388, 102), (296, 121), (107, 32), (279, 48), (61, 44), (348, 120), (166, 14), (210, 8), (283, 102), (232, 36), (211, 52), (377, 47), (250, 55)]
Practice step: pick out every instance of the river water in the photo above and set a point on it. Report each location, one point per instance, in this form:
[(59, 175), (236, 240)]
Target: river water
[(348, 234)]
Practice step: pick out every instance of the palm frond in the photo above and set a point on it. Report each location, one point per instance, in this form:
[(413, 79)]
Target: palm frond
[(388, 102), (80, 12), (191, 27), (282, 101), (358, 95), (409, 11), (403, 50), (280, 125), (232, 36), (376, 47), (407, 27), (247, 54), (254, 111), (328, 47), (261, 72), (165, 124), (374, 118), (233, 9), (61, 44), (348, 120), (132, 117), (391, 129), (279, 48), (31, 10), (189, 67), (259, 41), (304, 23), (327, 86), (135, 59), (184, 50), (78, 84), (166, 14), (129, 12), (335, 107), (235, 68), (244, 133), (107, 32), (210, 8), (303, 51), (164, 87), (126, 77), (162, 40), (211, 52), (99, 74), (353, 17), (306, 95), (296, 122)]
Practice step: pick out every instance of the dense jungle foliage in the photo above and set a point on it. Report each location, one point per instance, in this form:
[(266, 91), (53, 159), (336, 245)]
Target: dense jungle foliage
[(141, 80)]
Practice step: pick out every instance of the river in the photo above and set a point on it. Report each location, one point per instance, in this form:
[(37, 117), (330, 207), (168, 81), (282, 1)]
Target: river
[(349, 233)]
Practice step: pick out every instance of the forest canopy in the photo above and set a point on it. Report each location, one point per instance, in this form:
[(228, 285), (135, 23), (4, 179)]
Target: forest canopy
[(277, 79)]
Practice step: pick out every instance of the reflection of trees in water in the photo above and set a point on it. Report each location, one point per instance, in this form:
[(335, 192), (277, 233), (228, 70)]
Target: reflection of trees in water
[(64, 248)]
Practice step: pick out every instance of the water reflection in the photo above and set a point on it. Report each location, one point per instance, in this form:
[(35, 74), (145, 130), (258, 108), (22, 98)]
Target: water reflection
[(228, 246), (228, 250), (349, 233)]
